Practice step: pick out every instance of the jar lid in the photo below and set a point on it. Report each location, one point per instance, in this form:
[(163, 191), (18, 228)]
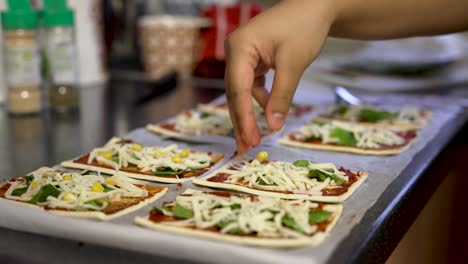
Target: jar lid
[(56, 13), (19, 15)]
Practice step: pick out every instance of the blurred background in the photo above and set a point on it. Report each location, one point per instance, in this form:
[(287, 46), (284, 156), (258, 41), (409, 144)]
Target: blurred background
[(105, 67)]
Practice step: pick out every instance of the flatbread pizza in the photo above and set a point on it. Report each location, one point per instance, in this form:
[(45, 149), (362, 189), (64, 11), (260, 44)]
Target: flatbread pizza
[(301, 179), (221, 108), (82, 195), (350, 137), (244, 219), (408, 118), (198, 125), (168, 164)]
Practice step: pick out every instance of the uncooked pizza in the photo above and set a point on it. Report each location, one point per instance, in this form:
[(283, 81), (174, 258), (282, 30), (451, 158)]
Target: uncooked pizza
[(169, 164), (350, 137), (83, 195), (300, 179), (243, 219)]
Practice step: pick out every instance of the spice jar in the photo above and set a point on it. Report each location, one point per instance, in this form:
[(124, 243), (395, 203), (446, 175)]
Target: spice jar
[(21, 58), (60, 53)]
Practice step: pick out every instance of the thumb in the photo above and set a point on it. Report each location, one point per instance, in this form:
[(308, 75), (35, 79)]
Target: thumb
[(287, 75)]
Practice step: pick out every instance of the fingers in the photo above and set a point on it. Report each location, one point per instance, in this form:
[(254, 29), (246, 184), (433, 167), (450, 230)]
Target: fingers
[(287, 75), (259, 92), (239, 79)]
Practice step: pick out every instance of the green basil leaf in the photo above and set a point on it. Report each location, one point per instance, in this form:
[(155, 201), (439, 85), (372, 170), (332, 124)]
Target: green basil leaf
[(232, 231), (341, 110), (28, 178), (97, 202), (19, 191), (322, 176), (289, 222), (345, 138), (373, 115), (301, 163), (319, 216), (319, 122), (115, 159), (204, 115), (107, 188), (182, 212), (235, 206), (44, 192), (262, 182)]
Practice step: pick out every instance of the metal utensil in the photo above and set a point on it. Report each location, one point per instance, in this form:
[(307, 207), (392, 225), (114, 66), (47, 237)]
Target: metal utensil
[(345, 97)]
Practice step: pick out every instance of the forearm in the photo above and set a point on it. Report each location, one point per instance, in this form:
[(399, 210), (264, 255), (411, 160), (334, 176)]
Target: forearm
[(381, 19)]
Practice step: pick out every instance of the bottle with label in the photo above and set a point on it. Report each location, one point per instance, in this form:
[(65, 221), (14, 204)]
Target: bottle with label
[(21, 58), (60, 53)]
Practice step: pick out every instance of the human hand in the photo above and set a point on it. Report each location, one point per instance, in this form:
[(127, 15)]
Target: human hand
[(286, 38)]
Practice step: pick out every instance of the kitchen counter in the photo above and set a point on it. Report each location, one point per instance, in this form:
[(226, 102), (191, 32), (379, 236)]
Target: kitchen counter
[(27, 143)]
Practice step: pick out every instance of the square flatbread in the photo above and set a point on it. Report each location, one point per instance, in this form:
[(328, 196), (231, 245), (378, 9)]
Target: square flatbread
[(407, 118), (349, 137), (80, 195), (168, 164), (320, 182), (270, 222)]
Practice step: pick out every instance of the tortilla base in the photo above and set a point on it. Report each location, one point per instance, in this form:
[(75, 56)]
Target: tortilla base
[(313, 240), (316, 198), (94, 214), (327, 147)]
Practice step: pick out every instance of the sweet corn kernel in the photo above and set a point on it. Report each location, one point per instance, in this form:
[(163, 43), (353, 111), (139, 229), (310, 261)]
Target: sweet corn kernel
[(137, 147), (34, 184), (185, 153), (110, 181), (158, 154), (68, 196), (97, 187), (177, 159), (67, 178), (262, 155), (106, 154)]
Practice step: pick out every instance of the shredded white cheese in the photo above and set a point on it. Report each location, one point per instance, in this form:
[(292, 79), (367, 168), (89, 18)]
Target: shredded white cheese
[(148, 159), (199, 123), (365, 136), (407, 115), (283, 176), (261, 216), (76, 190)]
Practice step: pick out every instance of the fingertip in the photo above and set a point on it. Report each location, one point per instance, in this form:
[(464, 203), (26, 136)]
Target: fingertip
[(275, 121)]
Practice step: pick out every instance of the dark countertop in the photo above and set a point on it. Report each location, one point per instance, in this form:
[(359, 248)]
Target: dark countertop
[(27, 143)]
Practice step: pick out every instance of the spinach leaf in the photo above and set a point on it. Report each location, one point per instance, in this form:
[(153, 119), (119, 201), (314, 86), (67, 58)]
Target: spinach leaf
[(107, 188), (28, 178), (322, 176), (97, 202), (232, 231), (204, 115), (262, 182), (288, 221), (341, 110), (19, 191), (311, 138), (167, 171), (345, 137), (115, 159), (373, 115), (319, 216), (44, 192), (182, 212), (235, 206), (301, 163)]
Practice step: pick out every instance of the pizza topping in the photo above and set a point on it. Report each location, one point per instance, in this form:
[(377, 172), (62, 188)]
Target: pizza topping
[(73, 191), (202, 123), (168, 160), (240, 215), (372, 114), (348, 134), (301, 177)]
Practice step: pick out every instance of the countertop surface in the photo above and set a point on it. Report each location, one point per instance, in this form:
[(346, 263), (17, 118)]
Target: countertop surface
[(114, 109)]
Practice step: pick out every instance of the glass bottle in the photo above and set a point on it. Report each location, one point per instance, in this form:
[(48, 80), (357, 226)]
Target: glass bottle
[(60, 53), (22, 58)]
